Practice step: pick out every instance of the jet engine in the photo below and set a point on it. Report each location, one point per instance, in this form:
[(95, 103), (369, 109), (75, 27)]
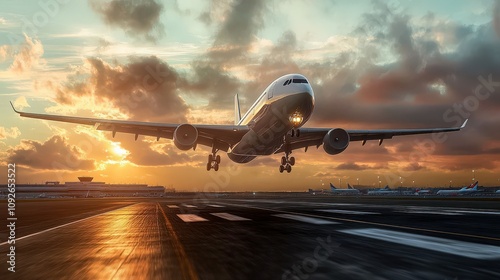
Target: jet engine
[(185, 136), (336, 141)]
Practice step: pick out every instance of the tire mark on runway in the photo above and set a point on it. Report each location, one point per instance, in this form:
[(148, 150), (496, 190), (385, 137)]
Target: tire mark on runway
[(187, 267), (366, 222)]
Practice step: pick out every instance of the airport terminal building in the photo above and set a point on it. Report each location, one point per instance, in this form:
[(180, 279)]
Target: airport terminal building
[(85, 187)]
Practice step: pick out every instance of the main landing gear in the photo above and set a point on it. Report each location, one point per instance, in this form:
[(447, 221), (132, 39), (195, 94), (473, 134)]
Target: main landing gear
[(287, 163), (213, 160)]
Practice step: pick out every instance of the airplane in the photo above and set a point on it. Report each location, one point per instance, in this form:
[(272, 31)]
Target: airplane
[(423, 192), (385, 191), (272, 125), (349, 190), (465, 190)]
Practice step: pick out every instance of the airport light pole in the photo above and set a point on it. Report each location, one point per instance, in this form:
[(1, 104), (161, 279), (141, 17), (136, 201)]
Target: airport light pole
[(378, 179), (450, 183), (340, 182), (401, 181), (357, 179), (473, 175), (413, 183)]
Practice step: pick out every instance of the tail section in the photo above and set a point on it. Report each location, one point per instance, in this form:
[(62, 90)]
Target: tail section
[(332, 187), (473, 187), (349, 186), (237, 113)]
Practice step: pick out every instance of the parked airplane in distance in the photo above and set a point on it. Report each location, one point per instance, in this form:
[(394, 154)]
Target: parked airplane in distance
[(272, 125), (350, 190), (465, 190), (385, 191)]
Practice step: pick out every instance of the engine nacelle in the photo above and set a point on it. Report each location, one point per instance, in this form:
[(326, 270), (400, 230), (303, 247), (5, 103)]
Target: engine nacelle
[(185, 136), (336, 141)]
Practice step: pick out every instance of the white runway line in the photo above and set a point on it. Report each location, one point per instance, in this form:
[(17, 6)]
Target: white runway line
[(189, 206), (310, 220), (474, 212), (455, 247), (67, 224), (350, 212), (430, 212), (172, 206), (189, 218), (229, 217), (216, 206)]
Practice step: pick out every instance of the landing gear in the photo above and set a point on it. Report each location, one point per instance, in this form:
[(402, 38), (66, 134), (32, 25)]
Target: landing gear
[(213, 160), (295, 132), (287, 163)]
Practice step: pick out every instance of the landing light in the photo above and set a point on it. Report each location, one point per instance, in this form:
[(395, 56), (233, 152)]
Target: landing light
[(296, 119)]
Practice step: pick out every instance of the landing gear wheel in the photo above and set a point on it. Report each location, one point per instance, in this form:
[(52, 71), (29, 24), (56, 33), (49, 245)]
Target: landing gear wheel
[(209, 166), (282, 168), (283, 161), (210, 158), (297, 133), (217, 160), (288, 168), (292, 161), (213, 160), (216, 166)]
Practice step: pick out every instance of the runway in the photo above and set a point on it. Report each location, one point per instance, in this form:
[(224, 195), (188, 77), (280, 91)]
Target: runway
[(256, 238)]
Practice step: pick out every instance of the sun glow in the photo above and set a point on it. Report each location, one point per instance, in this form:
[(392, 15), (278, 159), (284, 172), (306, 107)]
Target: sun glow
[(119, 151)]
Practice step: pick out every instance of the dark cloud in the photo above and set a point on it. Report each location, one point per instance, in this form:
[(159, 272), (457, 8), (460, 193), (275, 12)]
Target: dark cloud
[(146, 88), (138, 18), (54, 154), (231, 45)]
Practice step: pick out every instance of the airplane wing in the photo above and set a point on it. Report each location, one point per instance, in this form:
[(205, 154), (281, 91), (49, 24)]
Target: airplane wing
[(221, 137), (314, 136)]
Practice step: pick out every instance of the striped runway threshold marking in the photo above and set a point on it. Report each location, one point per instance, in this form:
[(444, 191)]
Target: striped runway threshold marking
[(229, 217), (455, 247), (350, 212), (189, 218), (306, 219), (172, 206), (189, 206), (216, 206)]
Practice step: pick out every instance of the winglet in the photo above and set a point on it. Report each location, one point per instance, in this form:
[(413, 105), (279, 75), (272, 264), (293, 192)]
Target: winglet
[(13, 108), (465, 122)]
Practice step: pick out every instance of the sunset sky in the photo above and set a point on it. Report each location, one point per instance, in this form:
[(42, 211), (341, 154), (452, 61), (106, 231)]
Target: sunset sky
[(372, 64)]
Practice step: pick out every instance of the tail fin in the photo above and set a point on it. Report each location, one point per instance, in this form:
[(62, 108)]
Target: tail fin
[(332, 187), (237, 113), (349, 186)]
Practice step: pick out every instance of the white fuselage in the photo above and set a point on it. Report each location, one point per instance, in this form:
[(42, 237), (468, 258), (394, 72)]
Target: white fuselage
[(270, 117)]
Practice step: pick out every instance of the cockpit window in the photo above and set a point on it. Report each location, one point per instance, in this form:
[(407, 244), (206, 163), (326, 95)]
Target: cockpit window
[(300, 81), (285, 83)]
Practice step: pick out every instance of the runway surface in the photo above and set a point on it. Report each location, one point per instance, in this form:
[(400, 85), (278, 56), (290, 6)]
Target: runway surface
[(255, 238)]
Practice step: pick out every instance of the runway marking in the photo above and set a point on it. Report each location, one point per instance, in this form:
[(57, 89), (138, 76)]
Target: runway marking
[(474, 212), (189, 206), (187, 266), (310, 220), (368, 223), (189, 218), (455, 247), (349, 212), (172, 206), (429, 212), (230, 217), (216, 206), (67, 224)]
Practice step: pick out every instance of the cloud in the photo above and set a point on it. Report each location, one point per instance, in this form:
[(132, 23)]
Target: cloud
[(27, 56), (146, 88), (138, 18), (496, 17), (54, 154), (12, 132), (21, 103), (4, 52), (357, 167)]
